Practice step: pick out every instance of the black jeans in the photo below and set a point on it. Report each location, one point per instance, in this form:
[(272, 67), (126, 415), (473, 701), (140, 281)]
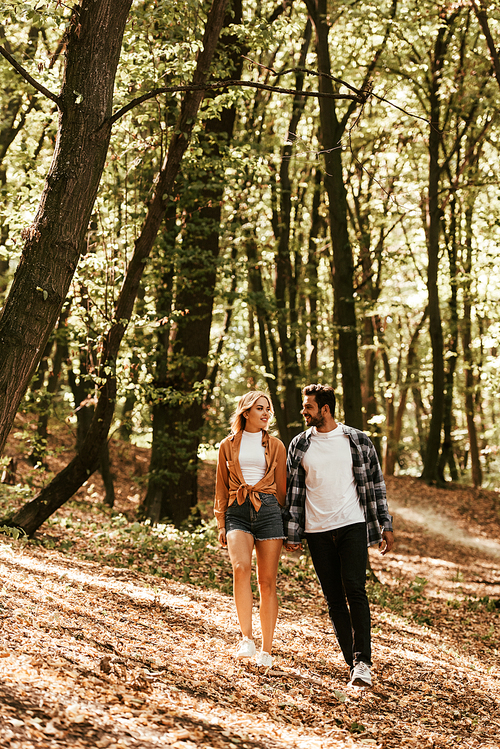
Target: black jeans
[(339, 558)]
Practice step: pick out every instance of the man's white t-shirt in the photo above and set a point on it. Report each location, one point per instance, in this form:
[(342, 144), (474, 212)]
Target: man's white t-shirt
[(331, 495)]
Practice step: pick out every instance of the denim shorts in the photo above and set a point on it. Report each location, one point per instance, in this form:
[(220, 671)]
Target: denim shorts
[(264, 525)]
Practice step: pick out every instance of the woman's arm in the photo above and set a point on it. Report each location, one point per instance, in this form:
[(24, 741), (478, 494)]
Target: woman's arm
[(221, 488)]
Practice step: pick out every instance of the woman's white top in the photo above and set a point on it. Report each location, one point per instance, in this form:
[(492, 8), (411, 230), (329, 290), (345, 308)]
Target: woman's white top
[(252, 457), (331, 495)]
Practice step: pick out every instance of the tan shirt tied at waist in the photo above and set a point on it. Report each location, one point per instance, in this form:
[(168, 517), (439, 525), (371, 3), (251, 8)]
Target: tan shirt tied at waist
[(230, 484)]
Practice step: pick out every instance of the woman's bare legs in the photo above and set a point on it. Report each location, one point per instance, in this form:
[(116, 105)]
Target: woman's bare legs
[(268, 556), (240, 548)]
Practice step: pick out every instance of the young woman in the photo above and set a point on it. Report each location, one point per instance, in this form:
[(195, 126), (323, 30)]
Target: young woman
[(249, 494)]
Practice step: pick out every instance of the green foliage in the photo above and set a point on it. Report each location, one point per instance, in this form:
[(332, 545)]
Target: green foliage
[(187, 555), (33, 12), (385, 161), (417, 588), (356, 728), (470, 603), (172, 397), (12, 532), (385, 597)]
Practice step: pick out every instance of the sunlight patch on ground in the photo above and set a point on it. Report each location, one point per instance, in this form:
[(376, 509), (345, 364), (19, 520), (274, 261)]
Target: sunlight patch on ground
[(440, 525)]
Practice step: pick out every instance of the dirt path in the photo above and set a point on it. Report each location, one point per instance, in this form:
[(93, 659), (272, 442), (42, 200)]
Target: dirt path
[(439, 524)]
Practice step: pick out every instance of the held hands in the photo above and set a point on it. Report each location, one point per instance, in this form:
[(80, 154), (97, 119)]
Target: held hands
[(387, 542), (292, 547), (288, 547)]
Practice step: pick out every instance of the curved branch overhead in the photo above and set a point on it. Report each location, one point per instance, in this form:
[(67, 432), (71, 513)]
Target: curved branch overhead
[(359, 96)]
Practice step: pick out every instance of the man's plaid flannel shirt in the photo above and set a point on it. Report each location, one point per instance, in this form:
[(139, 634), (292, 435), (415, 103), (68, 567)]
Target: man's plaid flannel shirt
[(369, 480)]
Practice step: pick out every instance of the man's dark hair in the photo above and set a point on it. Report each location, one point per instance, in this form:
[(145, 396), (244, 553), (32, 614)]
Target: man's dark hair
[(324, 394)]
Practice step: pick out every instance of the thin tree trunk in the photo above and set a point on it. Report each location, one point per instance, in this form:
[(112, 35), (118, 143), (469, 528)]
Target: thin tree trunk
[(312, 274), (447, 455), (268, 358), (232, 295), (430, 469), (125, 413), (60, 355), (84, 409), (420, 412), (394, 430), (343, 284), (477, 473), (482, 16), (285, 297)]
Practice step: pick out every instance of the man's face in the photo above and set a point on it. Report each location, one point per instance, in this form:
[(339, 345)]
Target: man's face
[(311, 413)]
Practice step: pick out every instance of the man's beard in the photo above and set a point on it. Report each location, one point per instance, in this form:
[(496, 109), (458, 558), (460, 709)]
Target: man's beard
[(316, 421)]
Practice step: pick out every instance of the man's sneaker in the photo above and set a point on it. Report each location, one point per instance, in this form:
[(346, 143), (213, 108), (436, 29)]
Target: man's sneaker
[(264, 659), (246, 649), (360, 675)]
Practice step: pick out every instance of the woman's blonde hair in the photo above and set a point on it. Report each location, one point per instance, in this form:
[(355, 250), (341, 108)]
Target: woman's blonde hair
[(245, 403)]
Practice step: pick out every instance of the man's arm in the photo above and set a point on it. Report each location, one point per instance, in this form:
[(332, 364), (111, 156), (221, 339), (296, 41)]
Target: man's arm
[(377, 478), (295, 498)]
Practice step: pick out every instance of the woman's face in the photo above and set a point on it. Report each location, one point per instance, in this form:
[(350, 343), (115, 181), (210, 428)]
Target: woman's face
[(258, 416)]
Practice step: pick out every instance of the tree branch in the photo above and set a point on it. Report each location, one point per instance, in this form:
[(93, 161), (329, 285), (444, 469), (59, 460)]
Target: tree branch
[(482, 17), (359, 97), (27, 77), (280, 8), (362, 94)]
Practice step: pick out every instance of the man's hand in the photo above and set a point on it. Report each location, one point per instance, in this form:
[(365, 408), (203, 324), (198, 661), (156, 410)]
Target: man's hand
[(222, 537), (292, 547), (387, 542)]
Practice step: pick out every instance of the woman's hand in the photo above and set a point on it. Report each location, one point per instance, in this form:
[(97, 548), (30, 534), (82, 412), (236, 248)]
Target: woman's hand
[(222, 537)]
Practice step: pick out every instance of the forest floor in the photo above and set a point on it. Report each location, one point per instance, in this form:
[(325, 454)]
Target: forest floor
[(114, 634)]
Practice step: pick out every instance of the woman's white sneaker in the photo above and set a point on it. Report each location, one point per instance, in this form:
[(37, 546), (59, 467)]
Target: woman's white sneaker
[(264, 659), (246, 649), (360, 675)]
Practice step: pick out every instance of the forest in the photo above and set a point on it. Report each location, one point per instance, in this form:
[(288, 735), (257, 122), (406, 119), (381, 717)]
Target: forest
[(204, 197), (198, 199)]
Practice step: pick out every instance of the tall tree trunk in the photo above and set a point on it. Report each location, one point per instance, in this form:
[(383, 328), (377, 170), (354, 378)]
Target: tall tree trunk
[(430, 469), (57, 236), (285, 282), (447, 456), (343, 284), (172, 490)]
